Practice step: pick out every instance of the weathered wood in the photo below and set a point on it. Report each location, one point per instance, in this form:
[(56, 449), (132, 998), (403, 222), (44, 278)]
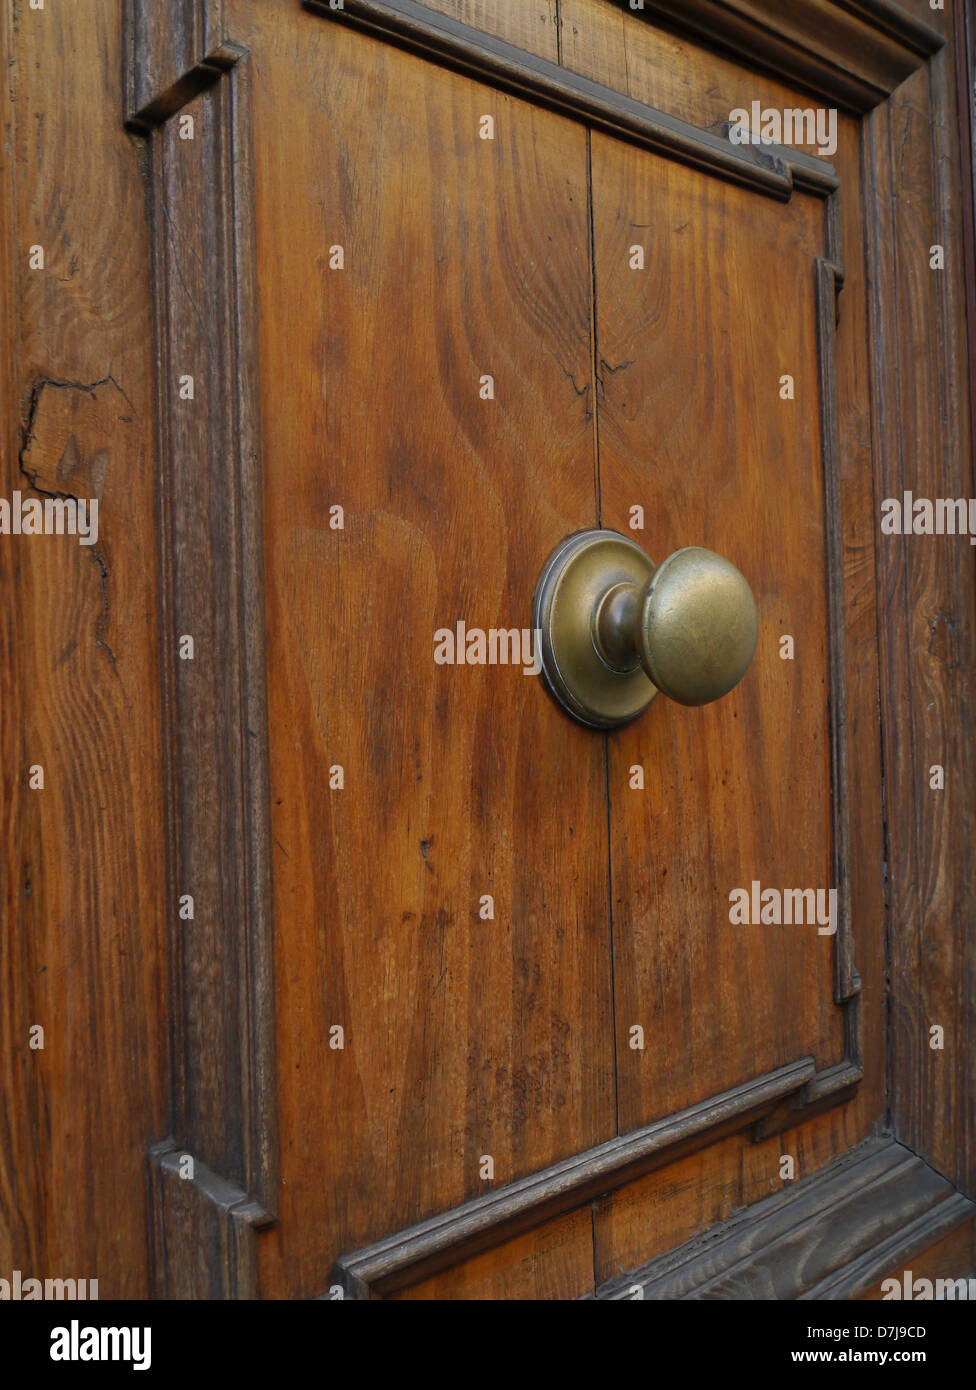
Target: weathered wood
[(951, 1256), (215, 712), (854, 52), (826, 1237), (927, 628), (463, 1036), (83, 900), (201, 1231), (529, 24), (168, 43), (552, 1261), (502, 1041)]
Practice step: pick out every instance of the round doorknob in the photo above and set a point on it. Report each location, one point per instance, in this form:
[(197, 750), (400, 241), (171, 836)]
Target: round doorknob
[(615, 629)]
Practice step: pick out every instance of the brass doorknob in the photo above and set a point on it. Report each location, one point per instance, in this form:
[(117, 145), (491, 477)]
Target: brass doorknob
[(616, 629)]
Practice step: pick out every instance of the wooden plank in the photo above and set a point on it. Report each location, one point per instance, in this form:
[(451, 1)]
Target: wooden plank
[(663, 1210), (928, 626), (85, 905), (463, 257), (529, 24), (553, 1262), (692, 429)]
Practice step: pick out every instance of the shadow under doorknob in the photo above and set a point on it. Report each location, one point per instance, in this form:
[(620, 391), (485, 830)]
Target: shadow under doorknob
[(616, 629)]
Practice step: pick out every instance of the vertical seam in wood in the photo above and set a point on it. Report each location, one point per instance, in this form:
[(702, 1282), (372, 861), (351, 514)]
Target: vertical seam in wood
[(594, 346), (599, 521)]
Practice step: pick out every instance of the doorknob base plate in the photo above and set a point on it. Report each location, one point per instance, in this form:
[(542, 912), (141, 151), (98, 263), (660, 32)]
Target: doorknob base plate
[(578, 574)]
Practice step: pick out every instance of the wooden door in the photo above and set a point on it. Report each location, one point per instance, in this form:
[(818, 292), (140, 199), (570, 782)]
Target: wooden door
[(464, 998)]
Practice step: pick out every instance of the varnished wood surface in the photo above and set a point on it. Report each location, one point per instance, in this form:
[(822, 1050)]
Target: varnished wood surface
[(928, 626), (463, 1037), (692, 429), (82, 939), (532, 25), (84, 896), (455, 1236), (553, 1262)]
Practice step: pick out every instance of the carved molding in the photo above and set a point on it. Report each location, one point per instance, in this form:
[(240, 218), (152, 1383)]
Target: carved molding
[(201, 1231), (850, 52), (769, 169), (215, 754), (168, 50), (477, 1225)]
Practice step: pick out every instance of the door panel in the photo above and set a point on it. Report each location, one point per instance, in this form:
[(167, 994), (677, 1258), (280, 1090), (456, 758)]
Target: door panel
[(189, 916), (463, 1038), (380, 1081)]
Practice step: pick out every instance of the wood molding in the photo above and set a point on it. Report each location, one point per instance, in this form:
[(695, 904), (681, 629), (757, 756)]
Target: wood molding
[(201, 1230), (166, 47), (209, 498), (833, 1084), (769, 169), (922, 440), (830, 1236), (851, 52), (486, 1221)]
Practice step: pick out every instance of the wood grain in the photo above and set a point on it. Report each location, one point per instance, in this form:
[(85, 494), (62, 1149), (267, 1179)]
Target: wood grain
[(928, 626), (83, 930), (853, 53), (163, 44), (554, 1261), (529, 24), (689, 378), (448, 1239), (462, 1037), (952, 1257), (415, 27), (824, 1237), (464, 257)]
